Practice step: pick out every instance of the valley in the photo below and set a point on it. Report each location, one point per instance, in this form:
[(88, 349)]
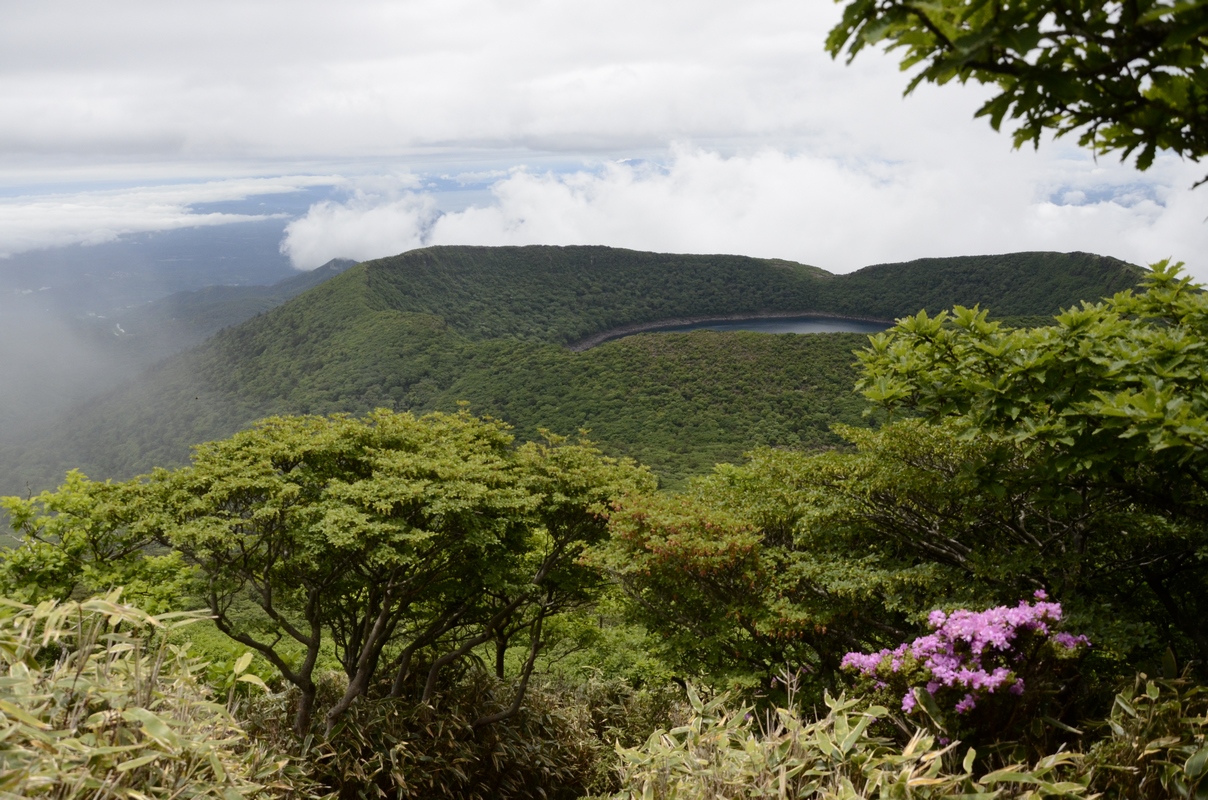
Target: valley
[(504, 330)]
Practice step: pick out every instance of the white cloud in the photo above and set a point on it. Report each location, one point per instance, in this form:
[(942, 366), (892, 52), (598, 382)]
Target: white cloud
[(837, 214), (31, 223), (225, 79), (784, 152), (367, 226), (250, 83)]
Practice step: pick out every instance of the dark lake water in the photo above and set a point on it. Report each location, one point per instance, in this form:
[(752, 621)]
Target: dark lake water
[(785, 325)]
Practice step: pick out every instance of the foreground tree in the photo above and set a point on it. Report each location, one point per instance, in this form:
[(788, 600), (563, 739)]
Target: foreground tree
[(796, 558), (1068, 459), (383, 539), (1130, 77), (1109, 386), (1107, 409)]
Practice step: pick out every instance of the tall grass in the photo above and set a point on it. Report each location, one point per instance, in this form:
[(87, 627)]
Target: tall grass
[(720, 755), (96, 703)]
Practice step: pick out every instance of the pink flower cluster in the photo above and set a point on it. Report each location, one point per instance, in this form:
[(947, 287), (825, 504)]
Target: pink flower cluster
[(967, 650)]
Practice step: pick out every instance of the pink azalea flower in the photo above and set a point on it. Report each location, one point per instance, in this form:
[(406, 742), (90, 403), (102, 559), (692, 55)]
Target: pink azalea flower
[(967, 650)]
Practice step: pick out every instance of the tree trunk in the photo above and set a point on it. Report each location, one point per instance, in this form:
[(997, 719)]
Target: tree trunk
[(521, 687), (371, 650), (306, 707), (501, 649)]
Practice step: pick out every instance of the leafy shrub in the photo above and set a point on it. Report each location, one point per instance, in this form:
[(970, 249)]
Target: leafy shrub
[(982, 676), (560, 744), (400, 749), (1100, 422), (94, 704), (724, 755)]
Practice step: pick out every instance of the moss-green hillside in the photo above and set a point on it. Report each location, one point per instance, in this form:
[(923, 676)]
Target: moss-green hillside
[(428, 328), (563, 294), (679, 402)]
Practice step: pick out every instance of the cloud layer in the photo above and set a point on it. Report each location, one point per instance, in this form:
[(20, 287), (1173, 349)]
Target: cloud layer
[(837, 214), (37, 222), (687, 125), (315, 80)]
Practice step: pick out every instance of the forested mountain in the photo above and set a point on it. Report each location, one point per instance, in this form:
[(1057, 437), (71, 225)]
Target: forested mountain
[(562, 294), (185, 319), (491, 325)]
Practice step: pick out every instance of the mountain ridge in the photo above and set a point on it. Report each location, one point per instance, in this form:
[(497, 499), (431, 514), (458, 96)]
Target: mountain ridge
[(429, 328)]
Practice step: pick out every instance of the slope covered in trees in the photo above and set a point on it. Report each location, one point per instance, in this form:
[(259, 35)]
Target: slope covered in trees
[(408, 588), (186, 319), (432, 327), (562, 294)]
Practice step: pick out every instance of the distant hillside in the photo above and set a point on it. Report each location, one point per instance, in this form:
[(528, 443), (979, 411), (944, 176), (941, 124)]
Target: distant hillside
[(185, 319), (562, 294), (428, 328), (1011, 285), (53, 360)]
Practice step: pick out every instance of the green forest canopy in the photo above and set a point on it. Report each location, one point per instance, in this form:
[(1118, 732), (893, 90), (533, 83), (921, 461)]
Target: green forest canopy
[(373, 542), (429, 328)]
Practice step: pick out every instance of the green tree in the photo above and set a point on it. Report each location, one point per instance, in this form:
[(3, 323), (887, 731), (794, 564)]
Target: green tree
[(763, 565), (88, 538), (797, 558), (1069, 458), (378, 539), (1108, 417), (1130, 76)]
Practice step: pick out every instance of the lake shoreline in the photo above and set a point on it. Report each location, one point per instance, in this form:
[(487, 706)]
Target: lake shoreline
[(671, 322)]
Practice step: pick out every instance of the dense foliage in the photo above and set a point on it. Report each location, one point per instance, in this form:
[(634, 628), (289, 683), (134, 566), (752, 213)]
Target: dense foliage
[(1059, 459), (1107, 409), (438, 610), (1154, 747), (560, 745), (677, 402), (564, 294), (1156, 744), (1130, 77), (724, 753), (429, 328), (399, 543)]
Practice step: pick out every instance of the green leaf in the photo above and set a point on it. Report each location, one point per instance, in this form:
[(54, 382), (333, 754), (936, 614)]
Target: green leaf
[(253, 679), (135, 763), (1196, 764), (970, 758), (19, 714), (1170, 668), (216, 765), (928, 704), (151, 725)]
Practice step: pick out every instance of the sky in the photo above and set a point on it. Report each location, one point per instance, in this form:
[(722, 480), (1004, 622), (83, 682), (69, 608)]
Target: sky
[(369, 128)]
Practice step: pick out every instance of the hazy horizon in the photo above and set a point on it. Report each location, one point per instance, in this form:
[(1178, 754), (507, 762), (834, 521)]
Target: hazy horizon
[(150, 148), (372, 128)]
